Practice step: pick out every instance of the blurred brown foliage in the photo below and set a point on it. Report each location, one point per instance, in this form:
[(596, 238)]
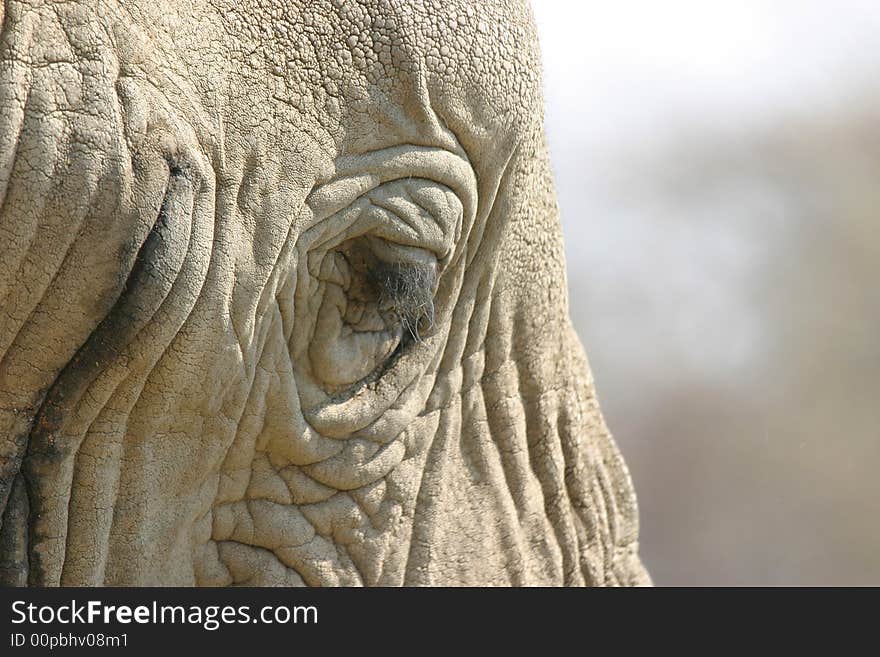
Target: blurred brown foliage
[(763, 468)]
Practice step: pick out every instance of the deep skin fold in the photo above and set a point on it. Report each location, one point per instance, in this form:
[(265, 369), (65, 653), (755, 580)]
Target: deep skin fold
[(187, 436), (150, 281)]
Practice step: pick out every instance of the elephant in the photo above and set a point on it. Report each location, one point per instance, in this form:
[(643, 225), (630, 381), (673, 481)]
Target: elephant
[(284, 303)]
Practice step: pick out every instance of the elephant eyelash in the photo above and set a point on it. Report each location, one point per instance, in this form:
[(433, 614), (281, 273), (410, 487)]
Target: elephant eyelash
[(407, 289)]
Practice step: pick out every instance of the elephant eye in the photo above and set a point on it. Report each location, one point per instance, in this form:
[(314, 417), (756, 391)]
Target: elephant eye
[(374, 299), (372, 276), (368, 306)]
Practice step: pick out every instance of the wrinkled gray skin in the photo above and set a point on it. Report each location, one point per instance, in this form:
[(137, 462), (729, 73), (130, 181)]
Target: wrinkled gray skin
[(283, 303)]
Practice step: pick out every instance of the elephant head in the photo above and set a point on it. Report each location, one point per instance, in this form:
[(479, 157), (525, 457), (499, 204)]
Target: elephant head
[(283, 302)]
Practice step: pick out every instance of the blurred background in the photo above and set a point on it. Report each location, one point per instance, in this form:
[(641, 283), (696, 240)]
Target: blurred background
[(718, 172)]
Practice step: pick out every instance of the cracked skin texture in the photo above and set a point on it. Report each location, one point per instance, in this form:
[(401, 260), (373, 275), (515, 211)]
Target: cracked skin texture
[(203, 380)]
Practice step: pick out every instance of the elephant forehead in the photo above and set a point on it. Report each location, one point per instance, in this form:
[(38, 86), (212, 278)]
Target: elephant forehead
[(343, 57)]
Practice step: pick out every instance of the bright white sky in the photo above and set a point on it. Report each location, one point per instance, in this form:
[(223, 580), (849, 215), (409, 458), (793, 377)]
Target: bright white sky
[(625, 80), (629, 64)]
